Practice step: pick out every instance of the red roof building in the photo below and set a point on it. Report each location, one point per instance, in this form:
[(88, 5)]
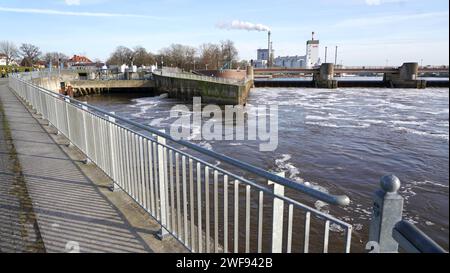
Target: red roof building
[(80, 62)]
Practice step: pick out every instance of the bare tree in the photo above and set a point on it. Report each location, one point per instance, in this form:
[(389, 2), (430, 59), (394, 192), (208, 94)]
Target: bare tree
[(142, 57), (218, 56), (55, 57), (180, 56), (10, 50), (209, 56), (122, 55), (229, 54), (30, 53)]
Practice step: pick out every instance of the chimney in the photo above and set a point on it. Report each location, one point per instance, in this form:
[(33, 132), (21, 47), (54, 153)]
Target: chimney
[(269, 50)]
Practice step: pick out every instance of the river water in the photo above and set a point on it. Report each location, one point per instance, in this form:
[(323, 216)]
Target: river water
[(343, 141)]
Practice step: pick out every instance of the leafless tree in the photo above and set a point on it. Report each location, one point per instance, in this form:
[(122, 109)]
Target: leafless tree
[(10, 50), (180, 56), (55, 58), (209, 56), (217, 56), (30, 53), (142, 57), (229, 54), (122, 55)]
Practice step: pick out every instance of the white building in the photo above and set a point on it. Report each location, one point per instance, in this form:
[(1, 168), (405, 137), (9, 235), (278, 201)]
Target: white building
[(291, 61), (310, 60), (2, 59)]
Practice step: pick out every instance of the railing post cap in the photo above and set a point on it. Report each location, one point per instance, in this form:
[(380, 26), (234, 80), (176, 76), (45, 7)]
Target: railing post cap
[(390, 183), (342, 200)]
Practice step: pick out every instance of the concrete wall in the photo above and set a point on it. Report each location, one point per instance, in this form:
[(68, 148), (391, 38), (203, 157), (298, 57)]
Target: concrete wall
[(54, 83), (88, 87), (227, 74), (210, 92)]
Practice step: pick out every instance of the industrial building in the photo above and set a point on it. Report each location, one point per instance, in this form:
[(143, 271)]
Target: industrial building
[(311, 59)]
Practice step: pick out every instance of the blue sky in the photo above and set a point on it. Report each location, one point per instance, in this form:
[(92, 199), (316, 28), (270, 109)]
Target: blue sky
[(368, 32)]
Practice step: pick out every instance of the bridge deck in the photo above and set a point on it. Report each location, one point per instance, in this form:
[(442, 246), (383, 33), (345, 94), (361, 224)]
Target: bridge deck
[(345, 70), (51, 202)]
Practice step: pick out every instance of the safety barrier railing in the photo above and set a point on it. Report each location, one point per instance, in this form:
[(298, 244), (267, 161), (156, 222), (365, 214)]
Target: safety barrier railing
[(205, 207), (389, 232), (191, 76)]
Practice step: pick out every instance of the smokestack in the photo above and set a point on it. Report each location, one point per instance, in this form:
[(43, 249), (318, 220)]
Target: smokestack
[(269, 50)]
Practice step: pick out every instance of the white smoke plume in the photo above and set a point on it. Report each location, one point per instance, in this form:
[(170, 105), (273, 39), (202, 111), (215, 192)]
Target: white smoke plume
[(236, 24)]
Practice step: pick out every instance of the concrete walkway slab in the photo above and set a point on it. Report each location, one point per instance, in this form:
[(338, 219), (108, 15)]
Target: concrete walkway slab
[(51, 202)]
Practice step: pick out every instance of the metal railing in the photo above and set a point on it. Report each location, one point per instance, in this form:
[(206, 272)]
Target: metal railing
[(206, 208), (413, 240), (191, 76), (388, 232)]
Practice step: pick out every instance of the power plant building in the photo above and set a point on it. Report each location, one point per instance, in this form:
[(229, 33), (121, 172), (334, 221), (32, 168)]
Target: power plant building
[(310, 60)]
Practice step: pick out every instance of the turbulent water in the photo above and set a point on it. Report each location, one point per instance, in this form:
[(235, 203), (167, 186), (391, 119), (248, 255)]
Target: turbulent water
[(343, 141)]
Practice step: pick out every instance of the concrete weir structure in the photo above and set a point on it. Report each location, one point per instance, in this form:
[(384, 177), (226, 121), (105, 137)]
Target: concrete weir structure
[(405, 76), (88, 87), (211, 89), (325, 77)]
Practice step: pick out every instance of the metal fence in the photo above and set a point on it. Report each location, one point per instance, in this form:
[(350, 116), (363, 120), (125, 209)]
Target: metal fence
[(205, 207), (191, 76)]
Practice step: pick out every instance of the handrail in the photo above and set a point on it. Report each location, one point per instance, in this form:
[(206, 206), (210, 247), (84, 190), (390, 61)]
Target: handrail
[(340, 200), (200, 77), (412, 239)]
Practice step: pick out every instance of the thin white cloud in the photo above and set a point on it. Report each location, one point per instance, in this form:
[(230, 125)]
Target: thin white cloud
[(72, 2), (373, 2), (72, 13), (380, 2), (390, 19)]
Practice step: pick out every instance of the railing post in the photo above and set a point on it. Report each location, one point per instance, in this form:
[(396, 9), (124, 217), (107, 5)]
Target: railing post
[(86, 135), (112, 140), (162, 168), (69, 136), (277, 222), (387, 212)]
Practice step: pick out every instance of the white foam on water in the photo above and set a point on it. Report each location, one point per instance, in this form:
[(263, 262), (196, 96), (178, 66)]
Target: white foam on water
[(235, 144), (158, 122), (422, 133), (206, 144), (322, 206), (431, 183), (332, 125), (144, 106), (293, 173), (408, 122)]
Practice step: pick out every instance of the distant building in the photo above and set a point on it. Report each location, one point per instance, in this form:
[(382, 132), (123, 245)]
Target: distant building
[(40, 65), (310, 60), (262, 58), (81, 62), (3, 59)]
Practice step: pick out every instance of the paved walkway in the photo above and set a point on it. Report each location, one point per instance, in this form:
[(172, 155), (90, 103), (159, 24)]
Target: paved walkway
[(49, 204)]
